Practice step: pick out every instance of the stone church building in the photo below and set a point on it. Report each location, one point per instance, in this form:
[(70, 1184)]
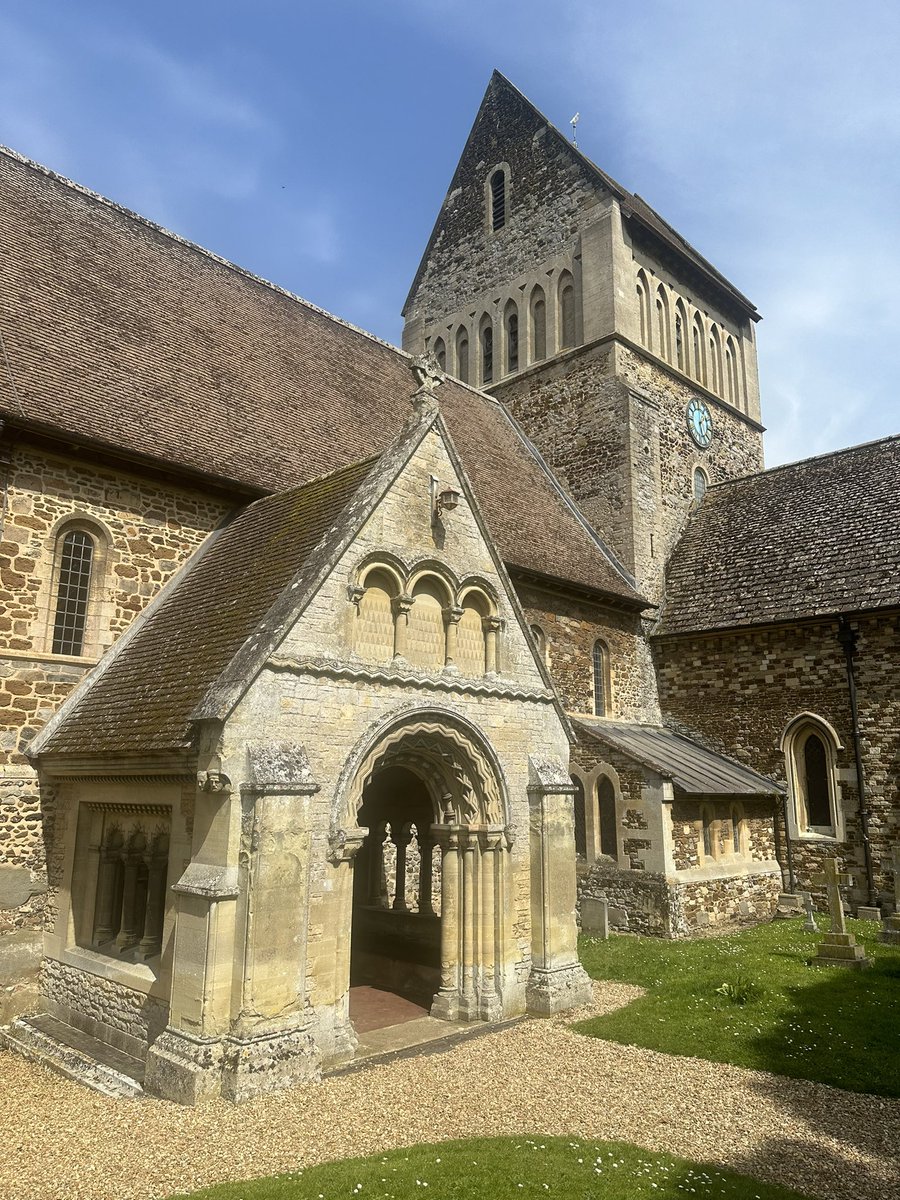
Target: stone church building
[(325, 664)]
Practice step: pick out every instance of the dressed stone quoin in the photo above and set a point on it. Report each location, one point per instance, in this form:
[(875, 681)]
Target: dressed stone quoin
[(328, 667)]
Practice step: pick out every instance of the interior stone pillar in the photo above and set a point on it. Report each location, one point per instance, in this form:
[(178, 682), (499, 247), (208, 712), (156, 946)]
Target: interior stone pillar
[(557, 980), (426, 867), (446, 1002), (401, 839)]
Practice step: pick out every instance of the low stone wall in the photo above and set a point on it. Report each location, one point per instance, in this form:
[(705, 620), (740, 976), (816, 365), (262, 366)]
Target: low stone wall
[(121, 1016), (647, 903), (23, 876)]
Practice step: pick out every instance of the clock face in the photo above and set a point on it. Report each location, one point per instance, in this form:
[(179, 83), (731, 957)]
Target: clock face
[(699, 422)]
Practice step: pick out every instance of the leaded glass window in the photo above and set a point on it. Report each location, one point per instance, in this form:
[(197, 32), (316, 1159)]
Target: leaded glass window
[(73, 592)]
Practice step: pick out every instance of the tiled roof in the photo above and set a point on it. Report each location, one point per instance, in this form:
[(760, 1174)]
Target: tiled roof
[(121, 335), (693, 770), (813, 538), (143, 699)]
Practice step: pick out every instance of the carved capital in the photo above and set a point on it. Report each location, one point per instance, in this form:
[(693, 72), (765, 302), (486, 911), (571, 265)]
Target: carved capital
[(492, 624), (355, 593), (402, 604), (344, 845), (453, 615)]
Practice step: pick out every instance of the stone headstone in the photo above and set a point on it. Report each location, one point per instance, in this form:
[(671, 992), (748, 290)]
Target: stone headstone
[(810, 923), (838, 948), (595, 916)]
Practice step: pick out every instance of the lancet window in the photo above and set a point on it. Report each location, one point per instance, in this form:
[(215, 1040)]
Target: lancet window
[(462, 354), (487, 350), (440, 353), (566, 311), (538, 325), (600, 663), (511, 323)]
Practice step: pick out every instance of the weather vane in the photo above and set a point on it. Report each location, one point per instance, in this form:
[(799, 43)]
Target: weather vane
[(573, 123)]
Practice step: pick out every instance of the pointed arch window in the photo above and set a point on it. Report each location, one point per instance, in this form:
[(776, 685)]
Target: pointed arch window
[(680, 335), (580, 818), (511, 327), (440, 353), (602, 705), (697, 339), (701, 483), (715, 361), (498, 199), (643, 315), (731, 376), (566, 311), (606, 809), (662, 325), (811, 747), (462, 354), (487, 350), (540, 640), (538, 325)]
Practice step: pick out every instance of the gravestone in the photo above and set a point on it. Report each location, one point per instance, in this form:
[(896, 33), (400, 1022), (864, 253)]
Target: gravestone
[(891, 931), (595, 916), (810, 923), (838, 948)]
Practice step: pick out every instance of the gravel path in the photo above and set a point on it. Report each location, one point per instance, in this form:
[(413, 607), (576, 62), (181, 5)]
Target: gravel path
[(58, 1141)]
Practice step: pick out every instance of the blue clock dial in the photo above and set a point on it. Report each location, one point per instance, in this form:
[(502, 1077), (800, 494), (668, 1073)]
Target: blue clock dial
[(699, 422)]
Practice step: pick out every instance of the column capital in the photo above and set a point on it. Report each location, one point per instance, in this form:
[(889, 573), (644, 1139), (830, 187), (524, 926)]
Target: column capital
[(402, 604), (453, 614)]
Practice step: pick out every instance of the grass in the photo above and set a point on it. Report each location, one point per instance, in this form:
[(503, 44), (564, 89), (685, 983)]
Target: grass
[(750, 999), (506, 1169)]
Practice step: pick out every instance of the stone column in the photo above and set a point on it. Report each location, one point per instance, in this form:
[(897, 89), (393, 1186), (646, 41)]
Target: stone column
[(343, 851), (557, 980), (151, 942), (490, 1008), (426, 846), (452, 617), (401, 606), (401, 839), (132, 927), (446, 1002), (491, 627), (377, 894), (106, 919), (468, 1006)]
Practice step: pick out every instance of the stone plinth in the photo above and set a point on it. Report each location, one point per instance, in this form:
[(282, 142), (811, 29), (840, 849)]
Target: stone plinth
[(839, 950), (890, 934)]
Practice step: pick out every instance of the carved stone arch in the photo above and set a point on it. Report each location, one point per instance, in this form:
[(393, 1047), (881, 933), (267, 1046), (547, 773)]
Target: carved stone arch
[(475, 583), (455, 762), (385, 561), (423, 568), (815, 808), (804, 718)]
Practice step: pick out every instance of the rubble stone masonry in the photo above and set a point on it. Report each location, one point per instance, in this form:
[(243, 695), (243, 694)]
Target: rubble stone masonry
[(738, 691), (144, 529)]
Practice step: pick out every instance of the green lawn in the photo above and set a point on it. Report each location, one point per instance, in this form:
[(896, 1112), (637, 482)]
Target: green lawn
[(506, 1169), (827, 1024)]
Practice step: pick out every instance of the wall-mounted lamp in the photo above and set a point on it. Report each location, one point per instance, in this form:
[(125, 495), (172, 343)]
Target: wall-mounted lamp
[(443, 499)]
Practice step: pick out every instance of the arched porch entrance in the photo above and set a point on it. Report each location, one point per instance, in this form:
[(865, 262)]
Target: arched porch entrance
[(395, 940), (422, 840)]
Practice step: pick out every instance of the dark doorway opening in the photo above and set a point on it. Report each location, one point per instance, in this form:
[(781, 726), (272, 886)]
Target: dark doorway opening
[(396, 928)]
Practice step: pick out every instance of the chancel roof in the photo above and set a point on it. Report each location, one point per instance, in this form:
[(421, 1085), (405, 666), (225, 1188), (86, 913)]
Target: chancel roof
[(121, 336), (692, 769), (813, 538)]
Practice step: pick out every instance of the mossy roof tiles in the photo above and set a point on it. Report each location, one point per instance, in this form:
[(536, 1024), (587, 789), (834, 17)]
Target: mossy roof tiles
[(121, 335), (814, 538)]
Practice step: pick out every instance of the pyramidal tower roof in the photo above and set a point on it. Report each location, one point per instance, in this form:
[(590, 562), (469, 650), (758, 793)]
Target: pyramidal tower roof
[(506, 113)]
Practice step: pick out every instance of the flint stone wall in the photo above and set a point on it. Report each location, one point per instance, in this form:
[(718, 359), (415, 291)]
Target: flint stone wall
[(126, 1019)]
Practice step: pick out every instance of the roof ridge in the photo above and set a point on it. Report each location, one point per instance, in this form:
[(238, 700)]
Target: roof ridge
[(801, 462)]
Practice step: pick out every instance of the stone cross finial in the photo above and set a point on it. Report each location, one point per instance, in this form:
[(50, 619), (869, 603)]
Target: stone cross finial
[(428, 376), (832, 877)]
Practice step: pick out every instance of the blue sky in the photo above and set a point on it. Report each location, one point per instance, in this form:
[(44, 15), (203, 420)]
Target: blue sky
[(313, 144)]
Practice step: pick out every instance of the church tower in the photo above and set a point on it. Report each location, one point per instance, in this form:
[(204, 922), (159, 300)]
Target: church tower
[(627, 358)]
